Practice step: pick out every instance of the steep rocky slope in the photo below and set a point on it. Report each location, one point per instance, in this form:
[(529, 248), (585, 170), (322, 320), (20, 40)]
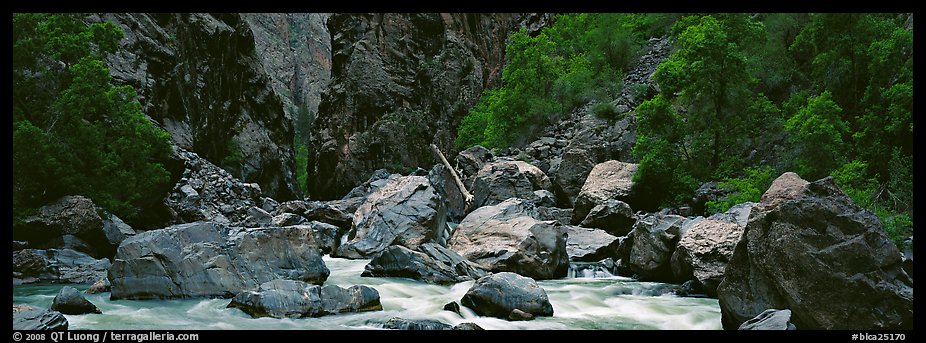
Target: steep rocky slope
[(200, 77), (398, 83)]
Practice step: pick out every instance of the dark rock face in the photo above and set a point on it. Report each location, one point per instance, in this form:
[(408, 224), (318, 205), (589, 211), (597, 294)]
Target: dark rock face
[(584, 244), (505, 237), (38, 319), (499, 294), (770, 320), (452, 307), (808, 248), (295, 51), (502, 180), (415, 324), (201, 78), (454, 201), (206, 192), (297, 299), (116, 231), (433, 264), (647, 250), (388, 73), (407, 211), (57, 266), (212, 260), (705, 248), (606, 181), (70, 301), (569, 173), (613, 216)]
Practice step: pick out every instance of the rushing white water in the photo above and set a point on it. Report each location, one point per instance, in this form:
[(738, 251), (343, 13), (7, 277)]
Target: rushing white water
[(578, 303)]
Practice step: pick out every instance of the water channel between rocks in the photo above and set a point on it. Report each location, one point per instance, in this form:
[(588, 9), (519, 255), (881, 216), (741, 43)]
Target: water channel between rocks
[(578, 303)]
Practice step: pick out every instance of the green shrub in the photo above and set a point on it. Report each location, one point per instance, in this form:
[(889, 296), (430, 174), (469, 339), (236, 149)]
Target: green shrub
[(748, 188), (604, 110)]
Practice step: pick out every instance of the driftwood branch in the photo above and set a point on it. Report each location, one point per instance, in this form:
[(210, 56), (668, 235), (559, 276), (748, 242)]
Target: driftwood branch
[(467, 197)]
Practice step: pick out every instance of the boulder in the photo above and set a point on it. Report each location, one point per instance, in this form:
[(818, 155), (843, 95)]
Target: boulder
[(452, 306), (608, 180), (57, 266), (498, 294), (502, 180), (433, 264), (471, 160), (613, 216), (406, 211), (69, 242), (287, 219), (69, 215), (101, 286), (584, 244), (116, 231), (206, 259), (415, 324), (377, 180), (518, 315), (560, 215), (70, 301), (770, 320), (705, 248), (297, 299), (327, 236), (257, 217), (543, 197), (467, 326), (647, 250), (505, 238), (807, 247), (569, 174), (604, 268), (335, 212), (38, 319), (442, 180)]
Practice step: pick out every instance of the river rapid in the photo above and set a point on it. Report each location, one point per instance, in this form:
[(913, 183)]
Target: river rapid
[(597, 301)]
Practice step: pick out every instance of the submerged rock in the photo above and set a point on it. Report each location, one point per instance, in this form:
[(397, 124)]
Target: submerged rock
[(499, 294), (212, 260), (70, 301), (415, 324), (809, 248), (297, 299)]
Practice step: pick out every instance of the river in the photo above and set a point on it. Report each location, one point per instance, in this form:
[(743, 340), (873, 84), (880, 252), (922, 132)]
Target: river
[(602, 302)]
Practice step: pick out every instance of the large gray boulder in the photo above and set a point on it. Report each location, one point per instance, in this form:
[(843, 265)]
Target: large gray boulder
[(499, 294), (770, 320), (588, 245), (613, 216), (502, 180), (70, 301), (705, 248), (608, 180), (570, 173), (206, 259), (808, 248), (454, 200), (116, 230), (406, 211), (57, 266), (506, 238), (647, 250), (28, 318), (69, 215), (297, 299), (335, 212), (471, 160), (433, 264)]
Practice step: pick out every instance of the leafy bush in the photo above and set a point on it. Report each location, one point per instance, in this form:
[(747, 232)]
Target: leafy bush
[(748, 188), (604, 110)]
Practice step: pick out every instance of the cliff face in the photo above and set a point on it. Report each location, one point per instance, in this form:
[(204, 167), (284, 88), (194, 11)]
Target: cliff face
[(398, 83), (295, 50), (200, 77)]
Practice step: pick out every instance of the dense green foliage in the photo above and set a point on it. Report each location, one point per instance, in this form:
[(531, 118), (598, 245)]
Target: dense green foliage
[(580, 59), (73, 131), (743, 99)]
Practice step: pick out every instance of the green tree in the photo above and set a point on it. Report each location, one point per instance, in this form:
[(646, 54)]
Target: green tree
[(73, 131), (817, 132)]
